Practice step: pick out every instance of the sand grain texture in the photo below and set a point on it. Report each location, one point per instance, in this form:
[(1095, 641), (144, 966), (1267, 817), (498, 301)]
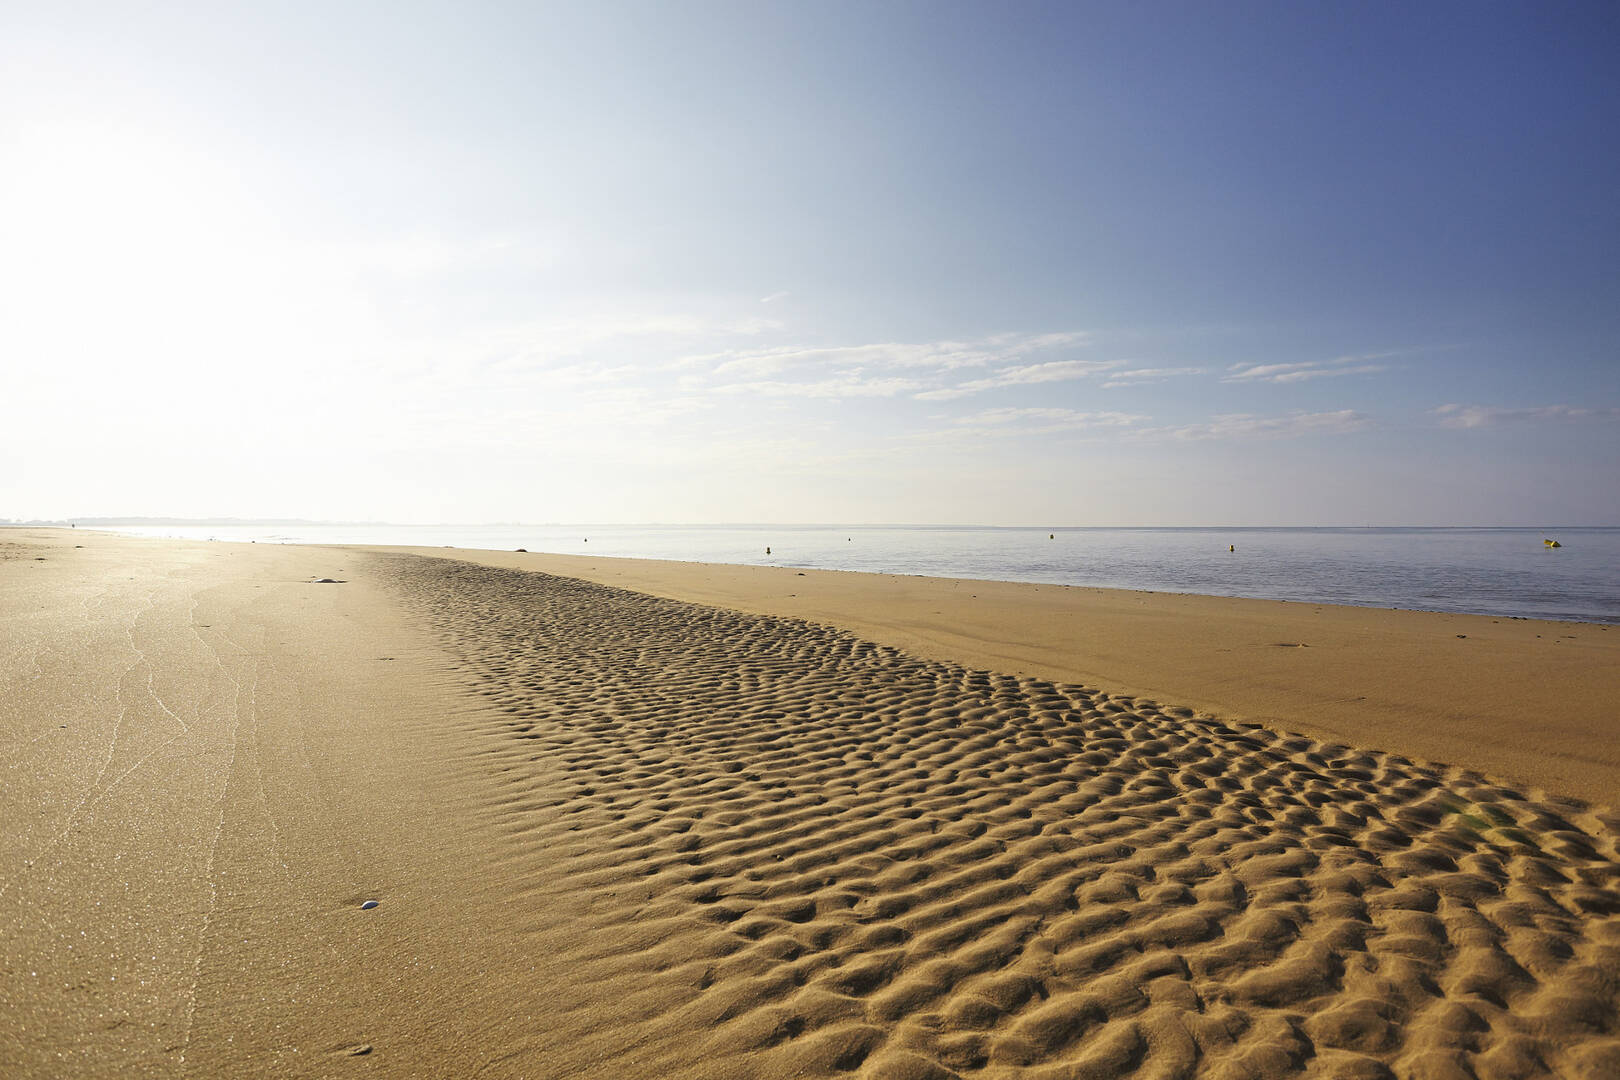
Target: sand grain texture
[(210, 762), (1532, 702), (621, 835), (829, 857)]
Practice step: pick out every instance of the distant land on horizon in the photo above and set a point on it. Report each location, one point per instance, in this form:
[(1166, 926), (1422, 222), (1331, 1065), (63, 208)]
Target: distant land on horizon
[(180, 521), (237, 521)]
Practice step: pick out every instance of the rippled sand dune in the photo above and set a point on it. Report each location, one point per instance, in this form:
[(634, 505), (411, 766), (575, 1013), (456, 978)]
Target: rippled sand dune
[(824, 856), (304, 812)]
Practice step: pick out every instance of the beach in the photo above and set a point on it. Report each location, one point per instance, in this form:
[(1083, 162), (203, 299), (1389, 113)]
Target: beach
[(624, 818)]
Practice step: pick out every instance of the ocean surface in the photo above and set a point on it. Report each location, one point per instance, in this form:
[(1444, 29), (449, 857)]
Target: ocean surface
[(1506, 572)]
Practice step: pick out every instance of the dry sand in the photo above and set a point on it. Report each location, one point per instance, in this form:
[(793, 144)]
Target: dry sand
[(614, 834), (1535, 703)]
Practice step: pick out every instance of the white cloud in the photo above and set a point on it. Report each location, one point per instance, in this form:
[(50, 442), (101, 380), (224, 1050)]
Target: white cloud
[(1043, 341), (847, 384), (765, 362), (1476, 416), (937, 355), (1140, 376), (945, 354), (775, 296), (1247, 426), (1022, 375), (1048, 419), (1309, 369), (568, 335), (1014, 422), (765, 369)]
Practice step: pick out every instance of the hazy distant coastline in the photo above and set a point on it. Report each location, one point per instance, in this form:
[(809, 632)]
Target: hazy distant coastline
[(1501, 571), (107, 521)]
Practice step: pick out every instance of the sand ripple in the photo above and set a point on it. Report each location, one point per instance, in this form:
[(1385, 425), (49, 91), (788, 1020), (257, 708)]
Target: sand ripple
[(822, 856)]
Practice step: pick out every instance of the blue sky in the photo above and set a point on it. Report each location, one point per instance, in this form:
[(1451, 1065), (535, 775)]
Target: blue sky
[(1079, 264)]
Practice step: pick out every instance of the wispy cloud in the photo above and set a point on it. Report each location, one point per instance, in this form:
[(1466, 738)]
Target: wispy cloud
[(1248, 426), (773, 297), (943, 355), (1477, 416), (1309, 369), (848, 384), (1141, 376), (937, 355), (884, 368), (1023, 375), (1015, 422), (1044, 419)]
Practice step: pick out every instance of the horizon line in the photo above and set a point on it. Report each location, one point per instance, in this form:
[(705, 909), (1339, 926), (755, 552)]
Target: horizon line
[(97, 522)]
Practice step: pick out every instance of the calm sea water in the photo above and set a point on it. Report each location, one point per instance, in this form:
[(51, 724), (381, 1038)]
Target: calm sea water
[(1488, 571)]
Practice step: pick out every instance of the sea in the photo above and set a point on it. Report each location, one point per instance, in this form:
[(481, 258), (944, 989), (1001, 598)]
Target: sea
[(1492, 571)]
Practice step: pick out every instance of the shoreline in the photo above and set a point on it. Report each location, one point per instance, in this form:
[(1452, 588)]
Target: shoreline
[(1414, 694), (929, 869), (1397, 599), (612, 835), (1529, 701)]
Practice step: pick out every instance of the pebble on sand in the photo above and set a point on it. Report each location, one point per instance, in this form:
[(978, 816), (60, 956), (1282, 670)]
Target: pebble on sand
[(368, 905)]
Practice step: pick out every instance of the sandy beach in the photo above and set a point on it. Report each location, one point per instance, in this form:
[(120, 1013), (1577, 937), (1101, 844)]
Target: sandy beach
[(634, 819)]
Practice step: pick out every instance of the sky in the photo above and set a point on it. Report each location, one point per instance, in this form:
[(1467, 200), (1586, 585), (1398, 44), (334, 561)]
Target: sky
[(999, 263)]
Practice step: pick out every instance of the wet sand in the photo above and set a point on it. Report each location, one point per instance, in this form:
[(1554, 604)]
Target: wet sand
[(617, 834)]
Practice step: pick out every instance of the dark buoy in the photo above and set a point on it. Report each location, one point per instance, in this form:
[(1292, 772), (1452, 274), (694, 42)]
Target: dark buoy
[(1231, 547), (767, 551), (1051, 536)]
